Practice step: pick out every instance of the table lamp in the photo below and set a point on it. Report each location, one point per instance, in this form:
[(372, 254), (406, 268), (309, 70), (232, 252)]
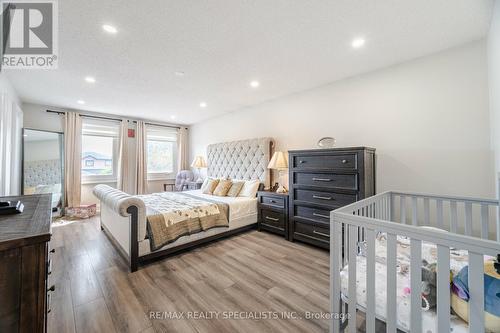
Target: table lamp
[(199, 163), (279, 162)]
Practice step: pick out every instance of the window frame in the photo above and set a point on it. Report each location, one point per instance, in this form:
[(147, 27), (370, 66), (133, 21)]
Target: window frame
[(113, 178), (152, 176)]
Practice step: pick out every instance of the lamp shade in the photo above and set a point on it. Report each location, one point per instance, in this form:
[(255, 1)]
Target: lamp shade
[(278, 161), (199, 162)]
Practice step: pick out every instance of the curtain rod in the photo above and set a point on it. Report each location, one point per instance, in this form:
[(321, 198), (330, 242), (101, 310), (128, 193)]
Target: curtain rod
[(115, 119)]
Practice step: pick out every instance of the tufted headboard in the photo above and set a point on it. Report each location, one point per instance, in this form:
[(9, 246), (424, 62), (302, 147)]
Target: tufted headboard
[(42, 173), (245, 159)]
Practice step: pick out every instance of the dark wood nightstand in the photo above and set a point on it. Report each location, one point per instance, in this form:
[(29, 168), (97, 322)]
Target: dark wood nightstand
[(273, 212), (193, 186)]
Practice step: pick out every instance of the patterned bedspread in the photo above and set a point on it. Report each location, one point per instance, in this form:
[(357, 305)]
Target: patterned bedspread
[(171, 215)]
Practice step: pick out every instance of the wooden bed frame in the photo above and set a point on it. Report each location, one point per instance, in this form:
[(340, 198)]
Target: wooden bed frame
[(133, 210)]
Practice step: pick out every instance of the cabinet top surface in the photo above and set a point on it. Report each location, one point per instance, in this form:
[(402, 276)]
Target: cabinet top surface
[(339, 149), (30, 226)]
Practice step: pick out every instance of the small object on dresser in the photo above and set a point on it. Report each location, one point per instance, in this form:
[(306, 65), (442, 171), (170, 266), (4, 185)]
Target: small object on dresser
[(11, 207), (326, 142), (81, 212)]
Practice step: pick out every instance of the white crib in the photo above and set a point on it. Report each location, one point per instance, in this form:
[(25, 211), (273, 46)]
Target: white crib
[(472, 225)]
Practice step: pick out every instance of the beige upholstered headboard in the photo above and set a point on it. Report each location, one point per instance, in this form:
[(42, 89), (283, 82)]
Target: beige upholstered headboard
[(244, 159)]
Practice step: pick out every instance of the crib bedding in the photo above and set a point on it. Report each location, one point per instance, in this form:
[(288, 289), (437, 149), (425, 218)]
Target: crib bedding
[(171, 215), (458, 259)]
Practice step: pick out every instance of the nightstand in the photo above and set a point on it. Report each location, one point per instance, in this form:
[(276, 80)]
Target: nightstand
[(193, 186), (273, 212)]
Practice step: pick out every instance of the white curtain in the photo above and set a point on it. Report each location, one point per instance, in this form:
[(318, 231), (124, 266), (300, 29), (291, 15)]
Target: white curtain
[(182, 149), (72, 159), (141, 179), (10, 146), (123, 169)]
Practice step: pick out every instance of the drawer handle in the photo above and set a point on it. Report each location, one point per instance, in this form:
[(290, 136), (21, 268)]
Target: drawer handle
[(272, 219), (322, 198), (52, 251), (272, 201), (321, 215), (321, 179), (321, 233), (302, 162), (344, 161), (53, 288)]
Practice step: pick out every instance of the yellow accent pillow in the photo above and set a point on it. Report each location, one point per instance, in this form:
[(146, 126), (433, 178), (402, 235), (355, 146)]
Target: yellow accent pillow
[(223, 187), (235, 188), (211, 185)]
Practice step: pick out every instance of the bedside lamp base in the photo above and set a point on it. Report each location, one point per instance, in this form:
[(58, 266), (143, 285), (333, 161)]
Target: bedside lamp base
[(281, 189)]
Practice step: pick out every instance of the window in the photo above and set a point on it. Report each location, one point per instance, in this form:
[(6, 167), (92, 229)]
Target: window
[(161, 152), (99, 150)]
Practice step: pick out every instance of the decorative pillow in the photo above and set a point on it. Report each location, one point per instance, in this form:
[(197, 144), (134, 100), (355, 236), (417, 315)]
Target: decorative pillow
[(223, 187), (211, 185), (460, 296), (235, 188), (249, 188)]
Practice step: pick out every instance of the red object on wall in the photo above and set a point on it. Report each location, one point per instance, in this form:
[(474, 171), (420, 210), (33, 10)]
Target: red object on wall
[(131, 133)]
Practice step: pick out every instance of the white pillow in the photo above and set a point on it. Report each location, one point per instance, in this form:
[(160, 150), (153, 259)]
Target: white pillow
[(250, 188)]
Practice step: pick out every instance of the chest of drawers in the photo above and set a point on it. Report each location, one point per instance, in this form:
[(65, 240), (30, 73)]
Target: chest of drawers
[(322, 180), (25, 265)]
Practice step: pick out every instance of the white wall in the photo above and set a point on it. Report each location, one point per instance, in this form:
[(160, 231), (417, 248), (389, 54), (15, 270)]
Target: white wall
[(41, 150), (428, 120), (11, 123), (494, 83)]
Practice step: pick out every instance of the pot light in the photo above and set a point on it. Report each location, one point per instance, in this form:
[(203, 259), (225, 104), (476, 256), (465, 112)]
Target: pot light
[(109, 29), (254, 84), (357, 43), (90, 79), (172, 117), (203, 105), (81, 102)]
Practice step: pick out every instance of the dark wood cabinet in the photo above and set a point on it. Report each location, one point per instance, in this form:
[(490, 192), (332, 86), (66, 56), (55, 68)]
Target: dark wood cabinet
[(273, 212), (24, 265), (322, 180)]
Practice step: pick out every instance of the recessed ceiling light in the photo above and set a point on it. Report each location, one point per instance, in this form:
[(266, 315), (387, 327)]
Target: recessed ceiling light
[(80, 102), (172, 117), (358, 42), (90, 79), (254, 84), (25, 135), (179, 73), (109, 28), (203, 105)]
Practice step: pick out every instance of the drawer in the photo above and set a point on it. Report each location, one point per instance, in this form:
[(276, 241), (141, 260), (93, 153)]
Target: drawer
[(314, 214), (326, 180), (312, 234), (272, 218), (340, 161), (330, 199), (272, 201)]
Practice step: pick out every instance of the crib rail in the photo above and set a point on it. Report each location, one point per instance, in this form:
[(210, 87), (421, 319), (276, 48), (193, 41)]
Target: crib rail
[(472, 225)]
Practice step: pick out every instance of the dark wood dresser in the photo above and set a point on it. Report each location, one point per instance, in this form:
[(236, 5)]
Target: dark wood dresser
[(24, 265), (322, 180)]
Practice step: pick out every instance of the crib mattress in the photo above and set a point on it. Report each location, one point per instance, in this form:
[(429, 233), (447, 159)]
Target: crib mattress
[(458, 260), (429, 318)]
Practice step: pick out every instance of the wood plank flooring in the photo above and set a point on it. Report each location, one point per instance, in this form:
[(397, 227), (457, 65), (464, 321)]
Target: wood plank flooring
[(251, 272)]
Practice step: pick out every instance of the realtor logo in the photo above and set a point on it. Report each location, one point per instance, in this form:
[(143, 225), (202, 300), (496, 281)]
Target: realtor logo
[(29, 34)]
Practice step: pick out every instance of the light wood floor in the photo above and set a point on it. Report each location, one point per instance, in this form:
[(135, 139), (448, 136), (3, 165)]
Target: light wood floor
[(254, 271)]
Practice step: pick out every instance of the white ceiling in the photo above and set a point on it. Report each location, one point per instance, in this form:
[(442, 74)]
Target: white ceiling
[(221, 45)]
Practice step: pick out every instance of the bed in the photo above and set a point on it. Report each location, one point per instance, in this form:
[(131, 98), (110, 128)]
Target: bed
[(389, 245), (129, 221)]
